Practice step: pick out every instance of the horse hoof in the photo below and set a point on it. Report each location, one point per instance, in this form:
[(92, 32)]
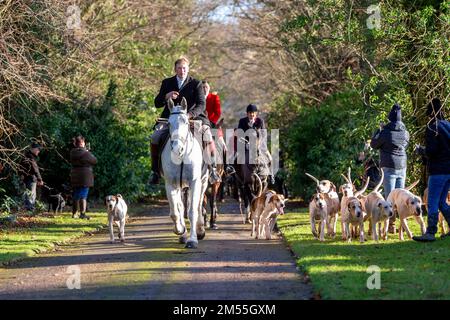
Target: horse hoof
[(213, 226), (191, 245), (182, 239), (175, 230), (201, 235)]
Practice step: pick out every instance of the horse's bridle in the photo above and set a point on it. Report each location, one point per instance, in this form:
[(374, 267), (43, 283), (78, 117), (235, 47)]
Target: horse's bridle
[(182, 139)]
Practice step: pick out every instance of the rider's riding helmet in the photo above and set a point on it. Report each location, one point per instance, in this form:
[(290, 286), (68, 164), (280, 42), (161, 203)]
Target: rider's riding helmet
[(252, 108)]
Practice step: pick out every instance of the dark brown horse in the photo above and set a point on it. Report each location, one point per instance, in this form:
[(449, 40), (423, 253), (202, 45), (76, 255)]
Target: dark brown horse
[(249, 182), (213, 188)]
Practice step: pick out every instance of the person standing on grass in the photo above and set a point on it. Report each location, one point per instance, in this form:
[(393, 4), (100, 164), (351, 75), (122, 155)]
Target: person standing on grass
[(392, 139), (81, 175), (437, 154), (31, 176)]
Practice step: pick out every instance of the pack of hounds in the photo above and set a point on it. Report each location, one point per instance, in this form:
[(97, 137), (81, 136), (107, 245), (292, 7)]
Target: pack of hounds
[(355, 209)]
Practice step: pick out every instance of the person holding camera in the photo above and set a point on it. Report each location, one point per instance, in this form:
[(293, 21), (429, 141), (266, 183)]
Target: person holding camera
[(81, 175)]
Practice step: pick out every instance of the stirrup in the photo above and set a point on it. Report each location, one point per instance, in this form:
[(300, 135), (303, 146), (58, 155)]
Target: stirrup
[(214, 177)]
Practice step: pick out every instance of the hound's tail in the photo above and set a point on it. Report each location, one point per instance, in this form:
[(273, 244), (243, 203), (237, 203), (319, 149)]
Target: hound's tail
[(379, 183), (413, 185)]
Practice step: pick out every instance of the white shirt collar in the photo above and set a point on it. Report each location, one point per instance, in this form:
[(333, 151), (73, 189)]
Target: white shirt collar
[(180, 81)]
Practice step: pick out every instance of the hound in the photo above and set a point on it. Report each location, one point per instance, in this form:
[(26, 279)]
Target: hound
[(328, 189), (318, 213), (264, 211), (407, 205), (354, 215), (117, 212), (378, 211)]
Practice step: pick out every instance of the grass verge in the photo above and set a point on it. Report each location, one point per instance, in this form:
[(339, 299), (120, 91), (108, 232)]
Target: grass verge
[(37, 234), (339, 270)]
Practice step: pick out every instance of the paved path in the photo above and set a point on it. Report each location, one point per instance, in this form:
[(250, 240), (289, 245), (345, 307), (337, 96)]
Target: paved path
[(227, 265)]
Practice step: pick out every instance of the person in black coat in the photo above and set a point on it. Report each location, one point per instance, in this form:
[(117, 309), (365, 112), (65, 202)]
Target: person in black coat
[(437, 154), (177, 87), (31, 175), (392, 139), (253, 122)]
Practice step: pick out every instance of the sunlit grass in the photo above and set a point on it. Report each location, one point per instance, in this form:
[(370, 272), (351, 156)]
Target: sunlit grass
[(338, 270), (43, 233)]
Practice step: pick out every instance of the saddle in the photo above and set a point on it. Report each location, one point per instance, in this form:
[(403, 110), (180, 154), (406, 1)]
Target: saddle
[(194, 125)]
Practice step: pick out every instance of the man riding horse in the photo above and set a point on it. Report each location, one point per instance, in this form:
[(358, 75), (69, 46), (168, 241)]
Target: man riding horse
[(252, 121), (177, 87), (251, 164)]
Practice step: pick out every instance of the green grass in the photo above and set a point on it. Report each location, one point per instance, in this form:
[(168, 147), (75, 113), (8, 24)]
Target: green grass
[(42, 233), (338, 270)]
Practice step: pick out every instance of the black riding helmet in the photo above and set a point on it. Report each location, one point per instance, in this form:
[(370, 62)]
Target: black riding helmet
[(252, 108)]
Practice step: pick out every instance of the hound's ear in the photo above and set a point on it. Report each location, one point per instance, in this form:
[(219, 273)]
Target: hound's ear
[(341, 190), (169, 103), (380, 204), (333, 187), (183, 104), (407, 202)]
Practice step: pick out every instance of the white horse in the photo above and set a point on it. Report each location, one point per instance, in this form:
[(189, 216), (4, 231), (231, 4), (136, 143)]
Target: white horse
[(182, 161)]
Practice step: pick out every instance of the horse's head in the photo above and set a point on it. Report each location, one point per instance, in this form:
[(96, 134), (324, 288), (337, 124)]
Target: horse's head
[(178, 127)]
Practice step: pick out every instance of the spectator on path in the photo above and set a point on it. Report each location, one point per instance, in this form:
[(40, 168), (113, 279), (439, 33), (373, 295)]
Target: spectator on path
[(392, 139), (437, 154), (81, 175)]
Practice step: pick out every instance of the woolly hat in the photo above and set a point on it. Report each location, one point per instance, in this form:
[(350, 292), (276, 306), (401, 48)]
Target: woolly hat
[(395, 115)]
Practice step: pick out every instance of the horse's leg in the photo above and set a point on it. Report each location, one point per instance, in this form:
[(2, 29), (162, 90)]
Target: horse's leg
[(195, 190), (176, 210), (201, 232), (213, 205), (185, 198), (247, 200)]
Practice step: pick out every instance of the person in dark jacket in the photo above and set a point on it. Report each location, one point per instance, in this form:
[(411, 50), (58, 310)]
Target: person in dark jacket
[(437, 154), (177, 87), (253, 122), (31, 175), (392, 139), (81, 175)]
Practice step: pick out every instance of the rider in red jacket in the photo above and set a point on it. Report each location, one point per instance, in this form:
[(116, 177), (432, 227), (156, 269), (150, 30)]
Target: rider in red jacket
[(212, 104)]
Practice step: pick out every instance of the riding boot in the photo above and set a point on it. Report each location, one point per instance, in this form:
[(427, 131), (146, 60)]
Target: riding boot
[(83, 206), (154, 178), (75, 208), (214, 176)]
